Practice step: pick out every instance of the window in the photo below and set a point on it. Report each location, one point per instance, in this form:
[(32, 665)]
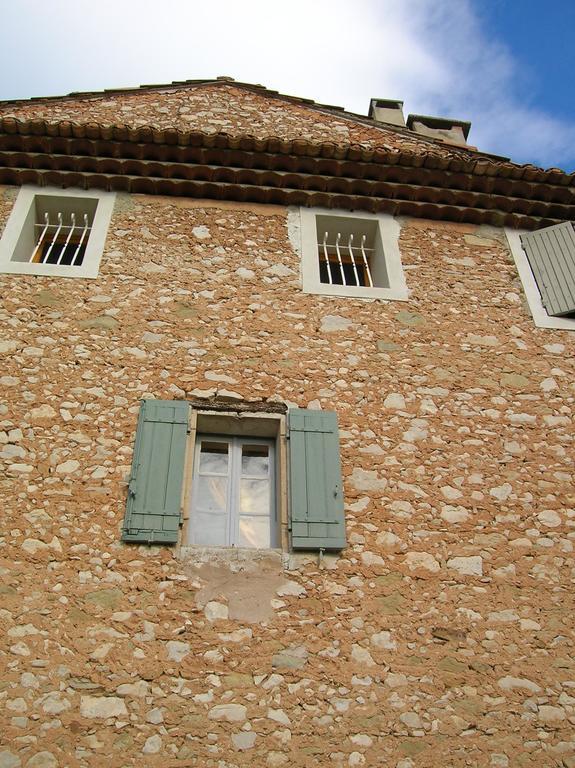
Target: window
[(235, 479), (351, 254), (233, 493), (56, 232), (545, 260)]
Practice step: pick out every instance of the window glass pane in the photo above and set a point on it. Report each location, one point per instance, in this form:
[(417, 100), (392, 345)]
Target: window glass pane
[(254, 532), (210, 530), (214, 458), (254, 497), (211, 494), (255, 460)]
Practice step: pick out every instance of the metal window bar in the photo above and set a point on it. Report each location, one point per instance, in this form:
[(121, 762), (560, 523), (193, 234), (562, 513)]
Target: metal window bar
[(84, 232), (46, 255), (365, 261), (326, 249), (72, 228), (38, 247), (326, 256), (350, 249), (338, 238), (58, 228)]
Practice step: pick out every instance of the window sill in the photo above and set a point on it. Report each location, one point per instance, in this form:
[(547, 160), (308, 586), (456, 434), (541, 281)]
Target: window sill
[(356, 292)]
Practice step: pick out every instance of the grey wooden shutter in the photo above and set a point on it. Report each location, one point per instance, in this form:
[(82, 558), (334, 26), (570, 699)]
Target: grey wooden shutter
[(153, 508), (551, 254), (316, 494)]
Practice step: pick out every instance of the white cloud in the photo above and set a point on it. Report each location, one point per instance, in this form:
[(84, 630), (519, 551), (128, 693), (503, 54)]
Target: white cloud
[(433, 54)]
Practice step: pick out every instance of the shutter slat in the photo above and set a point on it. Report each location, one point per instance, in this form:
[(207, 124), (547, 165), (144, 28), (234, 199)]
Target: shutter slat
[(551, 255), (153, 509), (316, 494)]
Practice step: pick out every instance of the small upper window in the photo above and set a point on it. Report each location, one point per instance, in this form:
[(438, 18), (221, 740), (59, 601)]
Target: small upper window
[(55, 232), (545, 261), (348, 254)]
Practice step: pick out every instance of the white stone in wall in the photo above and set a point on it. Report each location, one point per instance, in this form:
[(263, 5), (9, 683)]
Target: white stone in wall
[(485, 341), (549, 518), (509, 683), (102, 707), (42, 412), (42, 760), (34, 545), (136, 690), (467, 566), (415, 560), (451, 493), (152, 745), (279, 716), (177, 650), (215, 611), (333, 323), (394, 401), (67, 467), (387, 539), (411, 720), (506, 616), (383, 640), (244, 740), (8, 347), (367, 480), (361, 656), (396, 680), (9, 760), (291, 588), (370, 558), (245, 274), (231, 713), (454, 514), (501, 492), (136, 352), (549, 714)]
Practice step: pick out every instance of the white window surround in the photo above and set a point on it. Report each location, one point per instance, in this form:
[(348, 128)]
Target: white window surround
[(386, 259), (18, 239), (538, 311)]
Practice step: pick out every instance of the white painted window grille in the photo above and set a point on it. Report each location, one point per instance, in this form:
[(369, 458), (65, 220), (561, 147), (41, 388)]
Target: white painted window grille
[(233, 493), (62, 241), (346, 248), (351, 255), (56, 232)]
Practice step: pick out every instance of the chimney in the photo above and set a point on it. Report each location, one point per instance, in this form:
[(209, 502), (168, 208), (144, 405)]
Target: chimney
[(387, 111), (443, 128)]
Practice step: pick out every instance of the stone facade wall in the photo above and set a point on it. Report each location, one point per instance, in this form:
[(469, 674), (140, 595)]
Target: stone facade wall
[(441, 636), (222, 109)]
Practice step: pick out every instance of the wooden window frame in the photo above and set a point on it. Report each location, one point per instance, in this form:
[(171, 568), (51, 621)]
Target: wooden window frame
[(246, 425), (234, 477)]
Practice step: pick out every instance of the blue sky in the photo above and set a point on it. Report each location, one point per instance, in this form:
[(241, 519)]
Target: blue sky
[(505, 65)]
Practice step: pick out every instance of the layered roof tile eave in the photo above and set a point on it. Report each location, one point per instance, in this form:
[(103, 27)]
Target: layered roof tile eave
[(462, 184)]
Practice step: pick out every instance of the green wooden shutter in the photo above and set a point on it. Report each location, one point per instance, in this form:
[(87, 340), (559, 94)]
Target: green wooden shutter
[(551, 254), (316, 494), (153, 509)]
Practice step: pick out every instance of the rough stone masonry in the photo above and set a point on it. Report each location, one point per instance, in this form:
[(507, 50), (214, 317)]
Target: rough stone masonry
[(442, 635)]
